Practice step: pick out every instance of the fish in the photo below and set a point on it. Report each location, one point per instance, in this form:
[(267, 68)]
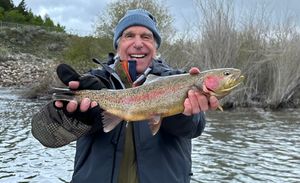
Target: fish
[(157, 98)]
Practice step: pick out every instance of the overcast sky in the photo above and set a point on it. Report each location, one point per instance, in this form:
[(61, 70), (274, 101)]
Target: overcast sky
[(79, 16)]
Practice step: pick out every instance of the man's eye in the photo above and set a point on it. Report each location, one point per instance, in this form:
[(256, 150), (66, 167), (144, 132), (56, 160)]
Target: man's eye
[(147, 37), (129, 36)]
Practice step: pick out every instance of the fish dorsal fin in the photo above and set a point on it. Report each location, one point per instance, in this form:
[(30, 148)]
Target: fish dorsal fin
[(151, 78), (155, 123), (109, 121)]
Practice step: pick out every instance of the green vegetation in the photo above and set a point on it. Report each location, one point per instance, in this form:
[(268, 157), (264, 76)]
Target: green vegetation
[(20, 14), (81, 50), (33, 40)]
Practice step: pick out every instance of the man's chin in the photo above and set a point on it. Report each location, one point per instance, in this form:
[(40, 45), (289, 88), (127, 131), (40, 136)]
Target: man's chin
[(140, 68)]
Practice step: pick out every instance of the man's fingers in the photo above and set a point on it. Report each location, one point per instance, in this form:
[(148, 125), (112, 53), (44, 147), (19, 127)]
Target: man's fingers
[(94, 104), (214, 102), (194, 102), (187, 107), (85, 104), (72, 106), (74, 84), (58, 104), (202, 101), (194, 70)]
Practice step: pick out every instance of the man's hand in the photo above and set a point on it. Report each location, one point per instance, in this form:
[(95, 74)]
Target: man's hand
[(88, 112), (71, 107), (197, 102)]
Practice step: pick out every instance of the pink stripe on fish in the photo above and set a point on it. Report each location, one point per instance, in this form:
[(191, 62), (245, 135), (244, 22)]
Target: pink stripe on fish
[(152, 95)]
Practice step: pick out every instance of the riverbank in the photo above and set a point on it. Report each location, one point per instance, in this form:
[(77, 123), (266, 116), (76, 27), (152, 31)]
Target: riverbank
[(23, 70), (28, 73)]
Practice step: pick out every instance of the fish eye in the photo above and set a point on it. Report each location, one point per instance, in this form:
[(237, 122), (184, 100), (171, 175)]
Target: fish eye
[(226, 73)]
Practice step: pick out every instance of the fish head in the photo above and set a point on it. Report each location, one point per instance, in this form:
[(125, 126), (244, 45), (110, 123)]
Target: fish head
[(220, 82)]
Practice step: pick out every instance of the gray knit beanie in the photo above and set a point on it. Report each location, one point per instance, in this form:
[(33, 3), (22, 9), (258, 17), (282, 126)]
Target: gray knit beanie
[(137, 17)]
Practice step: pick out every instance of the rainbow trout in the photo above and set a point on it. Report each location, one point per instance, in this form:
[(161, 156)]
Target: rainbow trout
[(157, 98)]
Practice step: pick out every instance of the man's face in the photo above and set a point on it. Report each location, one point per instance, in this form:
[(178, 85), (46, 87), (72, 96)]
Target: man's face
[(137, 43)]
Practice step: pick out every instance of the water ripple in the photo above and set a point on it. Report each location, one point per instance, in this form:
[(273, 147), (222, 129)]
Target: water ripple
[(24, 159), (247, 146), (236, 146)]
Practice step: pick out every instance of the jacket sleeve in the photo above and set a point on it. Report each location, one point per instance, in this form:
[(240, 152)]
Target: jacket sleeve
[(52, 128), (184, 126)]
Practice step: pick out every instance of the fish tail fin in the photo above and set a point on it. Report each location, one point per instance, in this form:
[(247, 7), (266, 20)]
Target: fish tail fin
[(63, 94)]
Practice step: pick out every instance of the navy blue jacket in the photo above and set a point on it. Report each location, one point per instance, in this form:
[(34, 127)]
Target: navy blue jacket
[(163, 158)]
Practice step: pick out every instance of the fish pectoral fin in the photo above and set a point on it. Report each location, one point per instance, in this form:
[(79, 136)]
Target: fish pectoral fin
[(109, 121), (155, 123)]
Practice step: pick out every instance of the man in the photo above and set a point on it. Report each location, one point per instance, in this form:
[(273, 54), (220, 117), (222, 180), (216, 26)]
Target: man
[(129, 153)]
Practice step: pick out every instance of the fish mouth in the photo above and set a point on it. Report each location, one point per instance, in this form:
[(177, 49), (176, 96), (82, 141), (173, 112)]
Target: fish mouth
[(233, 83)]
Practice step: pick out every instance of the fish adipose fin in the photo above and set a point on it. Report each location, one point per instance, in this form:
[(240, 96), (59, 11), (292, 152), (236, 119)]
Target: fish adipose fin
[(155, 123), (109, 121)]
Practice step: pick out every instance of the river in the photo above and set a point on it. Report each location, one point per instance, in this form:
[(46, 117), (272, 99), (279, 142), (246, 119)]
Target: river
[(244, 145)]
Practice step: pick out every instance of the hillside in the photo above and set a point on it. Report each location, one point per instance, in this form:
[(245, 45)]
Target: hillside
[(28, 55), (32, 39)]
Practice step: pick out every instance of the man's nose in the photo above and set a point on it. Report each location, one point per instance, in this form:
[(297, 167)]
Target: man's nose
[(138, 43)]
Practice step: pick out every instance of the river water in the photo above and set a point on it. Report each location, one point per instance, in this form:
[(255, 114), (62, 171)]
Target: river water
[(245, 145)]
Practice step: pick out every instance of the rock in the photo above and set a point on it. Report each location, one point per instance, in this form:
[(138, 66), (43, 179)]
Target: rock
[(54, 47), (22, 70)]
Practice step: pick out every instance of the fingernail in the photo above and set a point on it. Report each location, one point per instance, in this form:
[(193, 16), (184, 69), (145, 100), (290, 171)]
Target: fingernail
[(86, 100), (73, 103), (94, 104)]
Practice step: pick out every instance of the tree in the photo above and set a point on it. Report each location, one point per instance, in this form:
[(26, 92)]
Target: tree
[(116, 10), (48, 21), (29, 17), (38, 21), (6, 4), (1, 13), (22, 8), (14, 16)]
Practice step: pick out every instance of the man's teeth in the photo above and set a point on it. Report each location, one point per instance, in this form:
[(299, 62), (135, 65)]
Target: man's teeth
[(137, 56)]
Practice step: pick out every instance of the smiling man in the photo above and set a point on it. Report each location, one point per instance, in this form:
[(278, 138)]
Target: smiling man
[(137, 43), (129, 153)]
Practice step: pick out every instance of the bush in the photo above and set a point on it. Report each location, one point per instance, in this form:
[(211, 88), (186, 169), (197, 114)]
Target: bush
[(81, 50)]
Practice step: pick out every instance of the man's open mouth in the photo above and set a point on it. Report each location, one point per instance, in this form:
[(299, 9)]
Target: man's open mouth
[(138, 55)]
